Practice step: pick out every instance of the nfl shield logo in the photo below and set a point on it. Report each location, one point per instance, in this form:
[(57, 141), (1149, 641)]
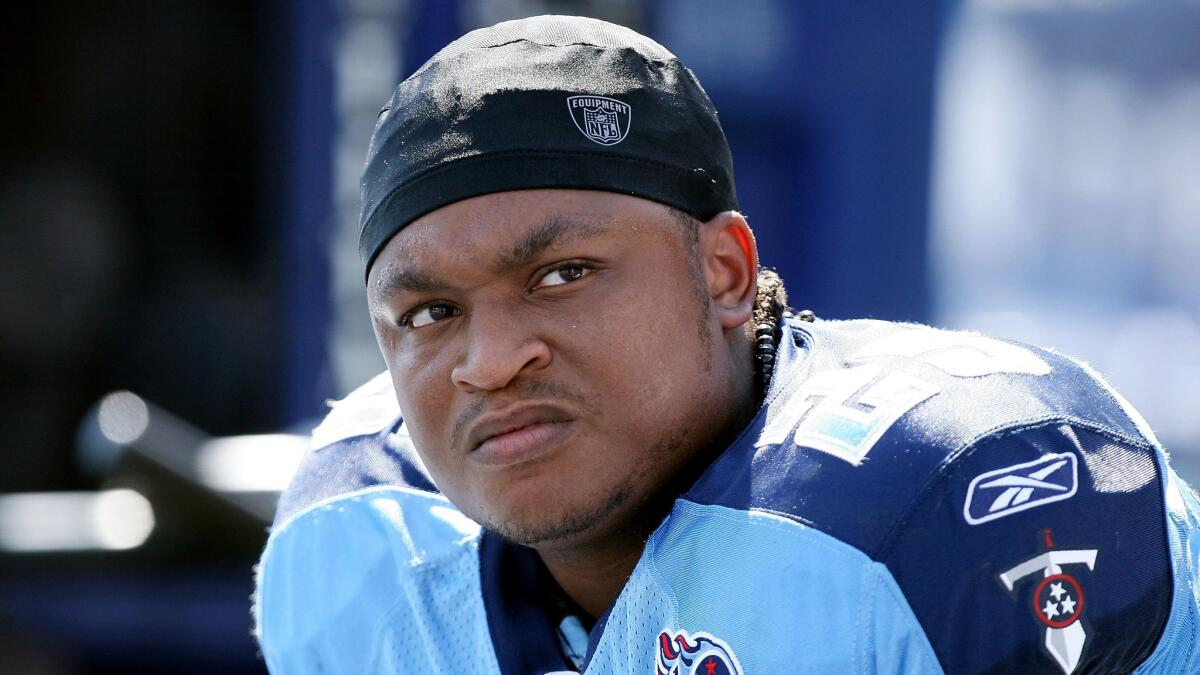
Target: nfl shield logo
[(602, 119)]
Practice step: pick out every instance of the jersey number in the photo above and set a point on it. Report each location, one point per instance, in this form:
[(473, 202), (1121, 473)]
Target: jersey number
[(845, 412)]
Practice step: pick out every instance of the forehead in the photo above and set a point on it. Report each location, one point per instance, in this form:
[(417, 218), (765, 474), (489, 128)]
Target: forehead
[(497, 230)]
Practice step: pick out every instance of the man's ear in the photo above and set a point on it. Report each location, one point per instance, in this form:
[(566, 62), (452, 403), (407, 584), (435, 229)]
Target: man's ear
[(730, 259)]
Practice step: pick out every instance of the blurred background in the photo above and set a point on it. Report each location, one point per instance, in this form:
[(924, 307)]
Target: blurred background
[(180, 292)]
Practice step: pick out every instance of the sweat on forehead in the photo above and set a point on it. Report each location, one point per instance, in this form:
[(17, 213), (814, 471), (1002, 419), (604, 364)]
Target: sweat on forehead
[(544, 102)]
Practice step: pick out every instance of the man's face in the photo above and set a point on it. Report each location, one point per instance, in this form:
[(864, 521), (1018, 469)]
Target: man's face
[(554, 354)]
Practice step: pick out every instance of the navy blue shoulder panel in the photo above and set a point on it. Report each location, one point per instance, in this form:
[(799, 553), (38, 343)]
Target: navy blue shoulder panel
[(524, 605), (1039, 546), (846, 417), (383, 458), (953, 459)]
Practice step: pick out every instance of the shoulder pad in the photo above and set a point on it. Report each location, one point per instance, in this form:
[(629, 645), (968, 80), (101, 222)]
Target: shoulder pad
[(366, 410), (361, 443), (962, 463)]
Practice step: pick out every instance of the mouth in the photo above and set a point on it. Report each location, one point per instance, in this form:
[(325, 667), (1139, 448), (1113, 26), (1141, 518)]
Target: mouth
[(517, 437)]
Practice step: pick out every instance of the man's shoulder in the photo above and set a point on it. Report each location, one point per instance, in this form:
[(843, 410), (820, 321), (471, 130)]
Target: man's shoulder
[(367, 410), (427, 526), (362, 442), (963, 462), (884, 412), (358, 582), (359, 533)]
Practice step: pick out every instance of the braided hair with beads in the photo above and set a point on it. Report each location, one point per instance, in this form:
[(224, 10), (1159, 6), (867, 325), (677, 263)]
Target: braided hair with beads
[(770, 308)]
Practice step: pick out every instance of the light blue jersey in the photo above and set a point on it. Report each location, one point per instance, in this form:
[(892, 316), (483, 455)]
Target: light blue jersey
[(907, 500)]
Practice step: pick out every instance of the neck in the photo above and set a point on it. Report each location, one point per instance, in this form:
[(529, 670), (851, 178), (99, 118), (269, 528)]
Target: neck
[(592, 570), (594, 580)]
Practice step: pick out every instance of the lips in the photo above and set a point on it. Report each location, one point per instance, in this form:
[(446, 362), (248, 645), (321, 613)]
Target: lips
[(517, 436)]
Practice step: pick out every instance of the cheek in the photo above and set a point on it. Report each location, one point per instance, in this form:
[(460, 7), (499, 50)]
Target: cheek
[(428, 425), (651, 328), (420, 372), (642, 354), (424, 395)]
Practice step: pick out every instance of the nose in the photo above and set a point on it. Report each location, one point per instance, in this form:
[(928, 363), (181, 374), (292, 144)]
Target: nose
[(499, 347)]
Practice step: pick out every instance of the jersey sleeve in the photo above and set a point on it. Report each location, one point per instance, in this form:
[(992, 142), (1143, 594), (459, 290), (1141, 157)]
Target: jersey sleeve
[(1055, 547), (1024, 509), (893, 640), (1179, 649), (383, 580)]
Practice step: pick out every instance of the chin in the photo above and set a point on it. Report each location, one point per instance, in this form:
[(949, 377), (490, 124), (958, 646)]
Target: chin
[(538, 524)]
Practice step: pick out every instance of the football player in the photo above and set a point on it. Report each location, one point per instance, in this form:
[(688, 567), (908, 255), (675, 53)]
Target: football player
[(604, 444)]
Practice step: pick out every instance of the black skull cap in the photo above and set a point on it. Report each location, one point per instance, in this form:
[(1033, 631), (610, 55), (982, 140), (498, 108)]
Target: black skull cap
[(544, 102)]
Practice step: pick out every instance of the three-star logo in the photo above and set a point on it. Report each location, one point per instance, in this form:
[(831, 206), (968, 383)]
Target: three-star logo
[(1058, 599)]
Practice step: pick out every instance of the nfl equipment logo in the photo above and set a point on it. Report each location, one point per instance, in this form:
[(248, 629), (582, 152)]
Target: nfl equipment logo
[(603, 120)]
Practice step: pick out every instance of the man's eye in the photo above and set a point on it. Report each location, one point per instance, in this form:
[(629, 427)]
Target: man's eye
[(428, 314), (562, 275)]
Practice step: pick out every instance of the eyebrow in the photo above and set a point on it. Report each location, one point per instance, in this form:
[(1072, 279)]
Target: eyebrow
[(542, 237), (398, 279)]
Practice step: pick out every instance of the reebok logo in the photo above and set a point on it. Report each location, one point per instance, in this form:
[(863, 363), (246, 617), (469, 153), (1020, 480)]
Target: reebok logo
[(1016, 488)]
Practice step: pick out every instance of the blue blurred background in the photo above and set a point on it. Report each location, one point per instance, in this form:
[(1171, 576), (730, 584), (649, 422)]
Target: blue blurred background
[(180, 292)]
